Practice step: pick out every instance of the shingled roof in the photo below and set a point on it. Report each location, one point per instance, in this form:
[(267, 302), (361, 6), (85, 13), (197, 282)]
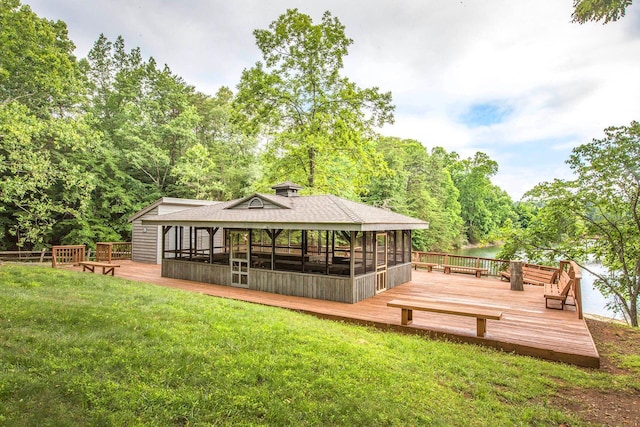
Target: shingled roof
[(261, 211)]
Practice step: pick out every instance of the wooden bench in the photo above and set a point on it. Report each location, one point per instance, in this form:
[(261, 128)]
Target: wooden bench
[(558, 291), (106, 267), (478, 271), (428, 265), (533, 275), (481, 314)]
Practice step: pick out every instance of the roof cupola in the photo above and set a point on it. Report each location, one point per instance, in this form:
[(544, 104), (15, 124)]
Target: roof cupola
[(287, 189)]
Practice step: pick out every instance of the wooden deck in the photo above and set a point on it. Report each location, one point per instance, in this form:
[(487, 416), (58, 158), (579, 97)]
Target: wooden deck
[(526, 328)]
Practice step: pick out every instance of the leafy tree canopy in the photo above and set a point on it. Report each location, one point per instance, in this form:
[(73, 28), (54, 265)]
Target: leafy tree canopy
[(485, 207), (599, 10), (595, 217), (37, 66), (419, 185), (319, 125)]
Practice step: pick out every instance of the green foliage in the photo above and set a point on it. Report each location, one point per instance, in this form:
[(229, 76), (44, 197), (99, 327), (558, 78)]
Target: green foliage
[(123, 353), (228, 141), (485, 207), (594, 217), (599, 10), (419, 185), (319, 126), (197, 173), (37, 67), (42, 128)]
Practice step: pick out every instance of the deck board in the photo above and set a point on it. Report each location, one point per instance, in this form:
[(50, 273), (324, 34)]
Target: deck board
[(527, 327)]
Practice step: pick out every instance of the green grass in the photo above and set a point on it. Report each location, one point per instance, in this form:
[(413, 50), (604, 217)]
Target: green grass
[(86, 349)]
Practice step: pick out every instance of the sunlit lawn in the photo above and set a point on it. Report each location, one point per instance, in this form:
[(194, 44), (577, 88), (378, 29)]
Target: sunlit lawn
[(86, 349)]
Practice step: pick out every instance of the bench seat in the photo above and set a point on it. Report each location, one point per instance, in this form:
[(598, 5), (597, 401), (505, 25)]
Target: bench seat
[(478, 271), (428, 265), (558, 291), (107, 268), (480, 313)]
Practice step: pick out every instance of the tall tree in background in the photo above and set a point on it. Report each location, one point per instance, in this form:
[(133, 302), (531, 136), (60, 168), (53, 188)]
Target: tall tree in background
[(229, 149), (145, 114), (42, 128), (37, 66), (320, 125), (599, 10), (485, 206), (595, 217), (419, 185)]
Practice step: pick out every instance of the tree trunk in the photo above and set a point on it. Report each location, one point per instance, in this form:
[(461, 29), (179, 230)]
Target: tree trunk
[(312, 167)]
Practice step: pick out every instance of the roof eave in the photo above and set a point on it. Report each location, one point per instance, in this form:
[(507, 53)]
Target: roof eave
[(340, 226)]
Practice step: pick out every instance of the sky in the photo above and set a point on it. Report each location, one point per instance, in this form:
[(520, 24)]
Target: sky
[(513, 79)]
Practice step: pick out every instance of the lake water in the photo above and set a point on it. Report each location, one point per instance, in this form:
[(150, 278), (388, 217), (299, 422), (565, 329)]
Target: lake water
[(592, 300)]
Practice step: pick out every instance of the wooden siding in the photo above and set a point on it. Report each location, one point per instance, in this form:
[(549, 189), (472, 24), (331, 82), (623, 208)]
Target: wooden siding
[(330, 288), (398, 274), (364, 287), (197, 271), (144, 246)]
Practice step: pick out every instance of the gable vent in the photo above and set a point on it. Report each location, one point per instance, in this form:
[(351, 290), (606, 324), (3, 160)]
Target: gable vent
[(256, 203)]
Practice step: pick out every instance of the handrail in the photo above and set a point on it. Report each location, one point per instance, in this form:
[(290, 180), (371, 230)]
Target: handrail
[(108, 251), (494, 266), (70, 254), (26, 256)]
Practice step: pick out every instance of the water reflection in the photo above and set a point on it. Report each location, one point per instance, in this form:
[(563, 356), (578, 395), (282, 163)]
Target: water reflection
[(592, 300)]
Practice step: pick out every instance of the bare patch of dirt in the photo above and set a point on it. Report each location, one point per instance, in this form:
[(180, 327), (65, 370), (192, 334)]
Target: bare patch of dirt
[(614, 340), (608, 407)]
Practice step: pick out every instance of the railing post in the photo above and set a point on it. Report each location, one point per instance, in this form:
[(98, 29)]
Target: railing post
[(516, 279), (576, 274)]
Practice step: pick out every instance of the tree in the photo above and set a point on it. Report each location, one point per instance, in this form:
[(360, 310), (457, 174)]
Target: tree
[(43, 131), (418, 184), (319, 125), (485, 206), (37, 66), (233, 150), (599, 10), (595, 217)]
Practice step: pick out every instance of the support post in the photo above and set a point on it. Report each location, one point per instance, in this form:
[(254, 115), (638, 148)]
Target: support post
[(517, 283)]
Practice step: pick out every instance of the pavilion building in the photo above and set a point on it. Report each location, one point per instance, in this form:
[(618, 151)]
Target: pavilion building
[(323, 247)]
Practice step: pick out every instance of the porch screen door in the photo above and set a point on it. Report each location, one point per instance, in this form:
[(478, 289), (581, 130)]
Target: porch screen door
[(381, 262), (239, 259)]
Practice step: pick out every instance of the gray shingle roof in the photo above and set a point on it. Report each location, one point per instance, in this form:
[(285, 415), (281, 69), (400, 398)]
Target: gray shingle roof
[(302, 212), (170, 201)]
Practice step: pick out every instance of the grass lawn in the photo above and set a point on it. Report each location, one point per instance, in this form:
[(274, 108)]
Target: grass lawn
[(86, 349)]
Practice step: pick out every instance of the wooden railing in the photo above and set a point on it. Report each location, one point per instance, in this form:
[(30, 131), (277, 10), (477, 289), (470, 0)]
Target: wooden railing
[(71, 254), (108, 251), (494, 266), (26, 256), (576, 274)]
